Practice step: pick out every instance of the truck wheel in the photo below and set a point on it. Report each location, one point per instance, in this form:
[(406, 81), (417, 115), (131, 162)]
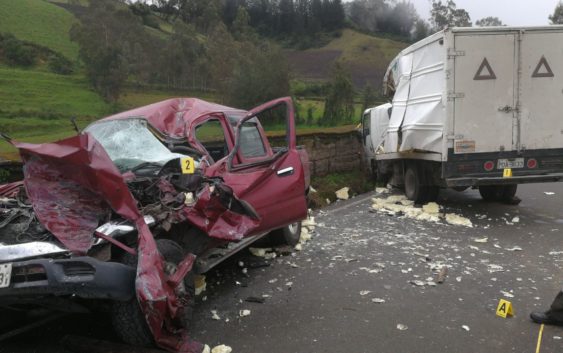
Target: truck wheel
[(127, 318), (433, 192), (490, 192), (288, 235), (414, 190), (508, 194)]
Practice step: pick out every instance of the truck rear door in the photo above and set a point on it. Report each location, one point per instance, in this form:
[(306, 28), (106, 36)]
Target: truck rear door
[(541, 90), (485, 81)]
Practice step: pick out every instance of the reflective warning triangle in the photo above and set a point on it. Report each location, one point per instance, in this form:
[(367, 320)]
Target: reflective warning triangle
[(546, 72), (481, 75)]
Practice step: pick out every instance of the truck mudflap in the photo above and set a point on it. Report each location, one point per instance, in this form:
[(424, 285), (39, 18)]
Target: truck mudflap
[(84, 277), (524, 179)]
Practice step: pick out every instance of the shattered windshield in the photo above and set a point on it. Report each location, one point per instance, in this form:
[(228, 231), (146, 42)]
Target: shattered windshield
[(129, 143)]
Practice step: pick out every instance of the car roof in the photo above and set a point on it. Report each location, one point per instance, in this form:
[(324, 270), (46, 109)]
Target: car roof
[(172, 116)]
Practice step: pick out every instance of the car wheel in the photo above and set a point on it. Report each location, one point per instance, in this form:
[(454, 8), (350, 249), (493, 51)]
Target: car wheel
[(127, 318), (414, 190), (288, 235)]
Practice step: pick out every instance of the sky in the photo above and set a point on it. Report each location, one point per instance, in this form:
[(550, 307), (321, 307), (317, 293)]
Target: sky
[(510, 12)]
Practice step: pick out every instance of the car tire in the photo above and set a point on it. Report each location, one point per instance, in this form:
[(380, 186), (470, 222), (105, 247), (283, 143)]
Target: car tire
[(414, 189), (127, 318), (288, 235)]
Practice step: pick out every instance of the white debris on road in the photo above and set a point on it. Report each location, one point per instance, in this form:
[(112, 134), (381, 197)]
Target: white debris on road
[(342, 194), (365, 292), (200, 284), (514, 248), (378, 300), (465, 327), (214, 315), (507, 294), (430, 212), (492, 268), (244, 312), (221, 349), (481, 240), (402, 327), (549, 193)]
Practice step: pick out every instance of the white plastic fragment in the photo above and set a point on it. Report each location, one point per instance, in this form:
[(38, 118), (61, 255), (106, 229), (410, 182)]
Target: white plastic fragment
[(365, 292), (458, 220), (514, 248), (481, 240), (516, 219), (378, 300), (221, 349), (495, 268), (244, 312), (549, 193), (214, 315), (465, 327), (418, 282), (507, 294), (402, 327), (206, 349), (342, 194)]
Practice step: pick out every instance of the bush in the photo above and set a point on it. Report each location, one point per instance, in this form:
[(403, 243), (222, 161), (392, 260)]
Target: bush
[(18, 52), (59, 64)]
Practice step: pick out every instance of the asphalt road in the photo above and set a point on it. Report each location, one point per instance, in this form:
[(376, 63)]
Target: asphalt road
[(321, 298)]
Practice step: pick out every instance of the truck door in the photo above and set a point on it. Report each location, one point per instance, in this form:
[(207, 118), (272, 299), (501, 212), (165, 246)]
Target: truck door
[(485, 83), (541, 90)]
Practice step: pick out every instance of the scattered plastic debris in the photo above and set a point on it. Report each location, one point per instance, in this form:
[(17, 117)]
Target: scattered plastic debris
[(514, 248), (465, 327), (214, 315), (507, 294), (516, 219), (495, 268), (481, 240), (458, 220), (342, 194), (417, 282), (222, 349), (549, 193), (200, 284), (378, 300), (244, 312), (402, 327), (365, 292)]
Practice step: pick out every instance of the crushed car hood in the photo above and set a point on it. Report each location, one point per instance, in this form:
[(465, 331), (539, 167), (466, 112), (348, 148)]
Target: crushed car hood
[(73, 184)]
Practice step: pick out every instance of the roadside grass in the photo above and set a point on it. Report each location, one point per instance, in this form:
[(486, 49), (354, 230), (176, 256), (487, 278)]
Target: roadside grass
[(326, 186), (39, 22)]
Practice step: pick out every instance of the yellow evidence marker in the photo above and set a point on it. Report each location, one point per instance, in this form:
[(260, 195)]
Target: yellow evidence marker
[(507, 173), (504, 308), (188, 165)]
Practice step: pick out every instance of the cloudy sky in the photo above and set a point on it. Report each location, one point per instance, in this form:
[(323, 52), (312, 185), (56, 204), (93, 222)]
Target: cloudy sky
[(510, 12)]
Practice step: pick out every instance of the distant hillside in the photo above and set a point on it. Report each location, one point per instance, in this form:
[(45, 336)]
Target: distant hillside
[(366, 57), (40, 22)]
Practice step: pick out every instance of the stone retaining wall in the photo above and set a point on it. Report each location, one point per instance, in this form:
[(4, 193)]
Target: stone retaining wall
[(332, 152)]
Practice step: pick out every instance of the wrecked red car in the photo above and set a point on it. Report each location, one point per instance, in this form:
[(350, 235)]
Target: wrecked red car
[(126, 212)]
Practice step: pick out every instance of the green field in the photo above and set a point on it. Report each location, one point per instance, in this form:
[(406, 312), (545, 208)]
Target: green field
[(39, 22)]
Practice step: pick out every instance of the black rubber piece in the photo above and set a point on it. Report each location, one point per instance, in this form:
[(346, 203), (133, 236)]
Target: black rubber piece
[(415, 190)]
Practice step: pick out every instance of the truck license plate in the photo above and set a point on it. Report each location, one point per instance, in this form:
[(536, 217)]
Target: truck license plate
[(510, 163), (5, 274)]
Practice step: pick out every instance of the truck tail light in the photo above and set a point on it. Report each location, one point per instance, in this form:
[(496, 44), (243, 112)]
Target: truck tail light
[(532, 163), (489, 165)]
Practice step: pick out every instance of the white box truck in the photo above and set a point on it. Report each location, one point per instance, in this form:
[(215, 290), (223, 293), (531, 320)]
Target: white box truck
[(471, 107)]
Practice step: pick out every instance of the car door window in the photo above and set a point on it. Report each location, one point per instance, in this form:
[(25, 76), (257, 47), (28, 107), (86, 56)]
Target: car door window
[(251, 143), (211, 136)]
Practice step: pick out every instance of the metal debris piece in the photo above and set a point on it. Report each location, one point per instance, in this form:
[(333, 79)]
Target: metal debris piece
[(255, 300), (442, 274)]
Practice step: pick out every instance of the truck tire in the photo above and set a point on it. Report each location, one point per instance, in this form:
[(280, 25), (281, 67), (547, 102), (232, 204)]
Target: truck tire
[(127, 318), (414, 189), (500, 193), (433, 192)]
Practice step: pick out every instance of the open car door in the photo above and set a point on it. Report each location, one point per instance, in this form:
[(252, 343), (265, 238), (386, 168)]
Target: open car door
[(268, 176)]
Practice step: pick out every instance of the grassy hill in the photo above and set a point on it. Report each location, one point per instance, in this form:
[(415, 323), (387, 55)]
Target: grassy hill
[(40, 22), (365, 56)]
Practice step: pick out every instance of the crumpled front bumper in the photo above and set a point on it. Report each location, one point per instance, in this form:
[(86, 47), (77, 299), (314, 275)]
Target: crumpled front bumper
[(83, 277)]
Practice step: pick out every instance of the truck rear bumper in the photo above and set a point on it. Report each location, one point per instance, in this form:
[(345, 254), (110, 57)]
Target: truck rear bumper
[(83, 277), (477, 181)]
